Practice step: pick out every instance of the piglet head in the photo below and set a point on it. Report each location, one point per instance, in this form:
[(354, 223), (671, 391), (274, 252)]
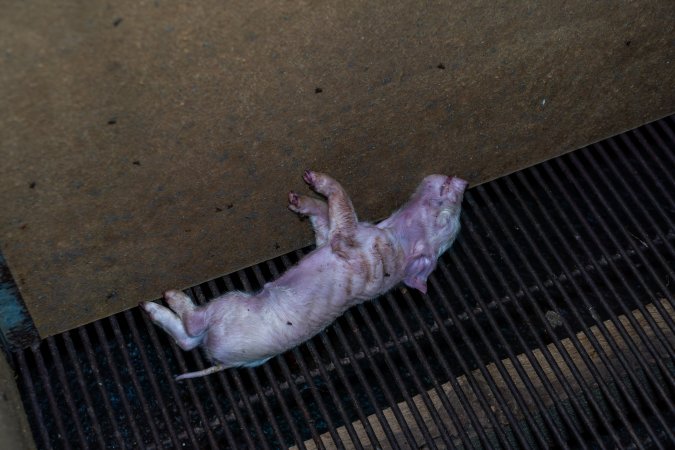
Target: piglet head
[(438, 202), (427, 225)]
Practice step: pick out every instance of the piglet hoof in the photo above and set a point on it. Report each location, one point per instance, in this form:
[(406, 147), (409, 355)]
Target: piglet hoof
[(309, 177), (293, 201), (150, 308), (179, 302), (173, 295)]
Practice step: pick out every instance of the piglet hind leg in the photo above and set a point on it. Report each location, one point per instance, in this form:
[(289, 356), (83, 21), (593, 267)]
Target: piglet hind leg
[(316, 210), (193, 318), (172, 324), (180, 303), (342, 222)]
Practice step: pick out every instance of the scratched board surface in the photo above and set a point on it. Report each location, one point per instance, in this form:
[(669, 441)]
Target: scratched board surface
[(150, 145)]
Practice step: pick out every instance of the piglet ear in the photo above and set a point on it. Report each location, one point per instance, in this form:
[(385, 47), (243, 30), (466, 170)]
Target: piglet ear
[(417, 283), (417, 271)]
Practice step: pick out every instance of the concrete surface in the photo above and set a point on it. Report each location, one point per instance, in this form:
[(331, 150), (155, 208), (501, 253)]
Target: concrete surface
[(15, 433)]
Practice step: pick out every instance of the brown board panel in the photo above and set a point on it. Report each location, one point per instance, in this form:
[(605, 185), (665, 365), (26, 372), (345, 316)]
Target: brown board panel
[(148, 145)]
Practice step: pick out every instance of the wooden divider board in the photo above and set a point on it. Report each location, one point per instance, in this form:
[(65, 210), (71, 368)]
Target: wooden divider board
[(147, 145)]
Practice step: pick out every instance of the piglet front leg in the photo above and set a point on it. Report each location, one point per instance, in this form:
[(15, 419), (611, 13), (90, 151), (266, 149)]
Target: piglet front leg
[(316, 210), (342, 221)]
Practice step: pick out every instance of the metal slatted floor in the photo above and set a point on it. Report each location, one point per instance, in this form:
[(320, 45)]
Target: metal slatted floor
[(549, 324)]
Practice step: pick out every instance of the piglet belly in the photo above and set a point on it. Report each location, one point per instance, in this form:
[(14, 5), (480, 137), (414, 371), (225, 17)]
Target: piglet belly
[(301, 315), (260, 328)]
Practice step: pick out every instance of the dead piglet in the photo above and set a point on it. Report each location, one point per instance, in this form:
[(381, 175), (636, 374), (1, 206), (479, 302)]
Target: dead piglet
[(353, 262)]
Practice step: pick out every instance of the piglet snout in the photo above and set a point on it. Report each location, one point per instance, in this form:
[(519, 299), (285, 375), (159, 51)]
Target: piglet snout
[(453, 185), (459, 183)]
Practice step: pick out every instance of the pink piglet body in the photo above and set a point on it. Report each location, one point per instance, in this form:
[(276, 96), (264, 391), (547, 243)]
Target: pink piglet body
[(353, 262)]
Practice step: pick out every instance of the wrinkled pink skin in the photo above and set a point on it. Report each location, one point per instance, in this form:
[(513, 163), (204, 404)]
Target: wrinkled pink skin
[(353, 262)]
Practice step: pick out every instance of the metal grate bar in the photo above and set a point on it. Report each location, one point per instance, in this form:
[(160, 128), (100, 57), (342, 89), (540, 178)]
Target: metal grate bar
[(607, 395), (492, 321), (618, 199), (596, 375), (656, 173), (33, 406), (159, 398), (420, 354), (467, 408), (513, 422), (382, 381), (166, 375), (392, 366), (662, 237), (117, 381), (577, 263), (361, 414), (628, 287), (608, 209), (60, 373), (485, 404), (131, 375), (100, 387), (629, 193), (365, 385), (86, 397), (665, 126), (609, 285), (51, 397), (578, 409), (539, 370), (541, 260), (533, 428)]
